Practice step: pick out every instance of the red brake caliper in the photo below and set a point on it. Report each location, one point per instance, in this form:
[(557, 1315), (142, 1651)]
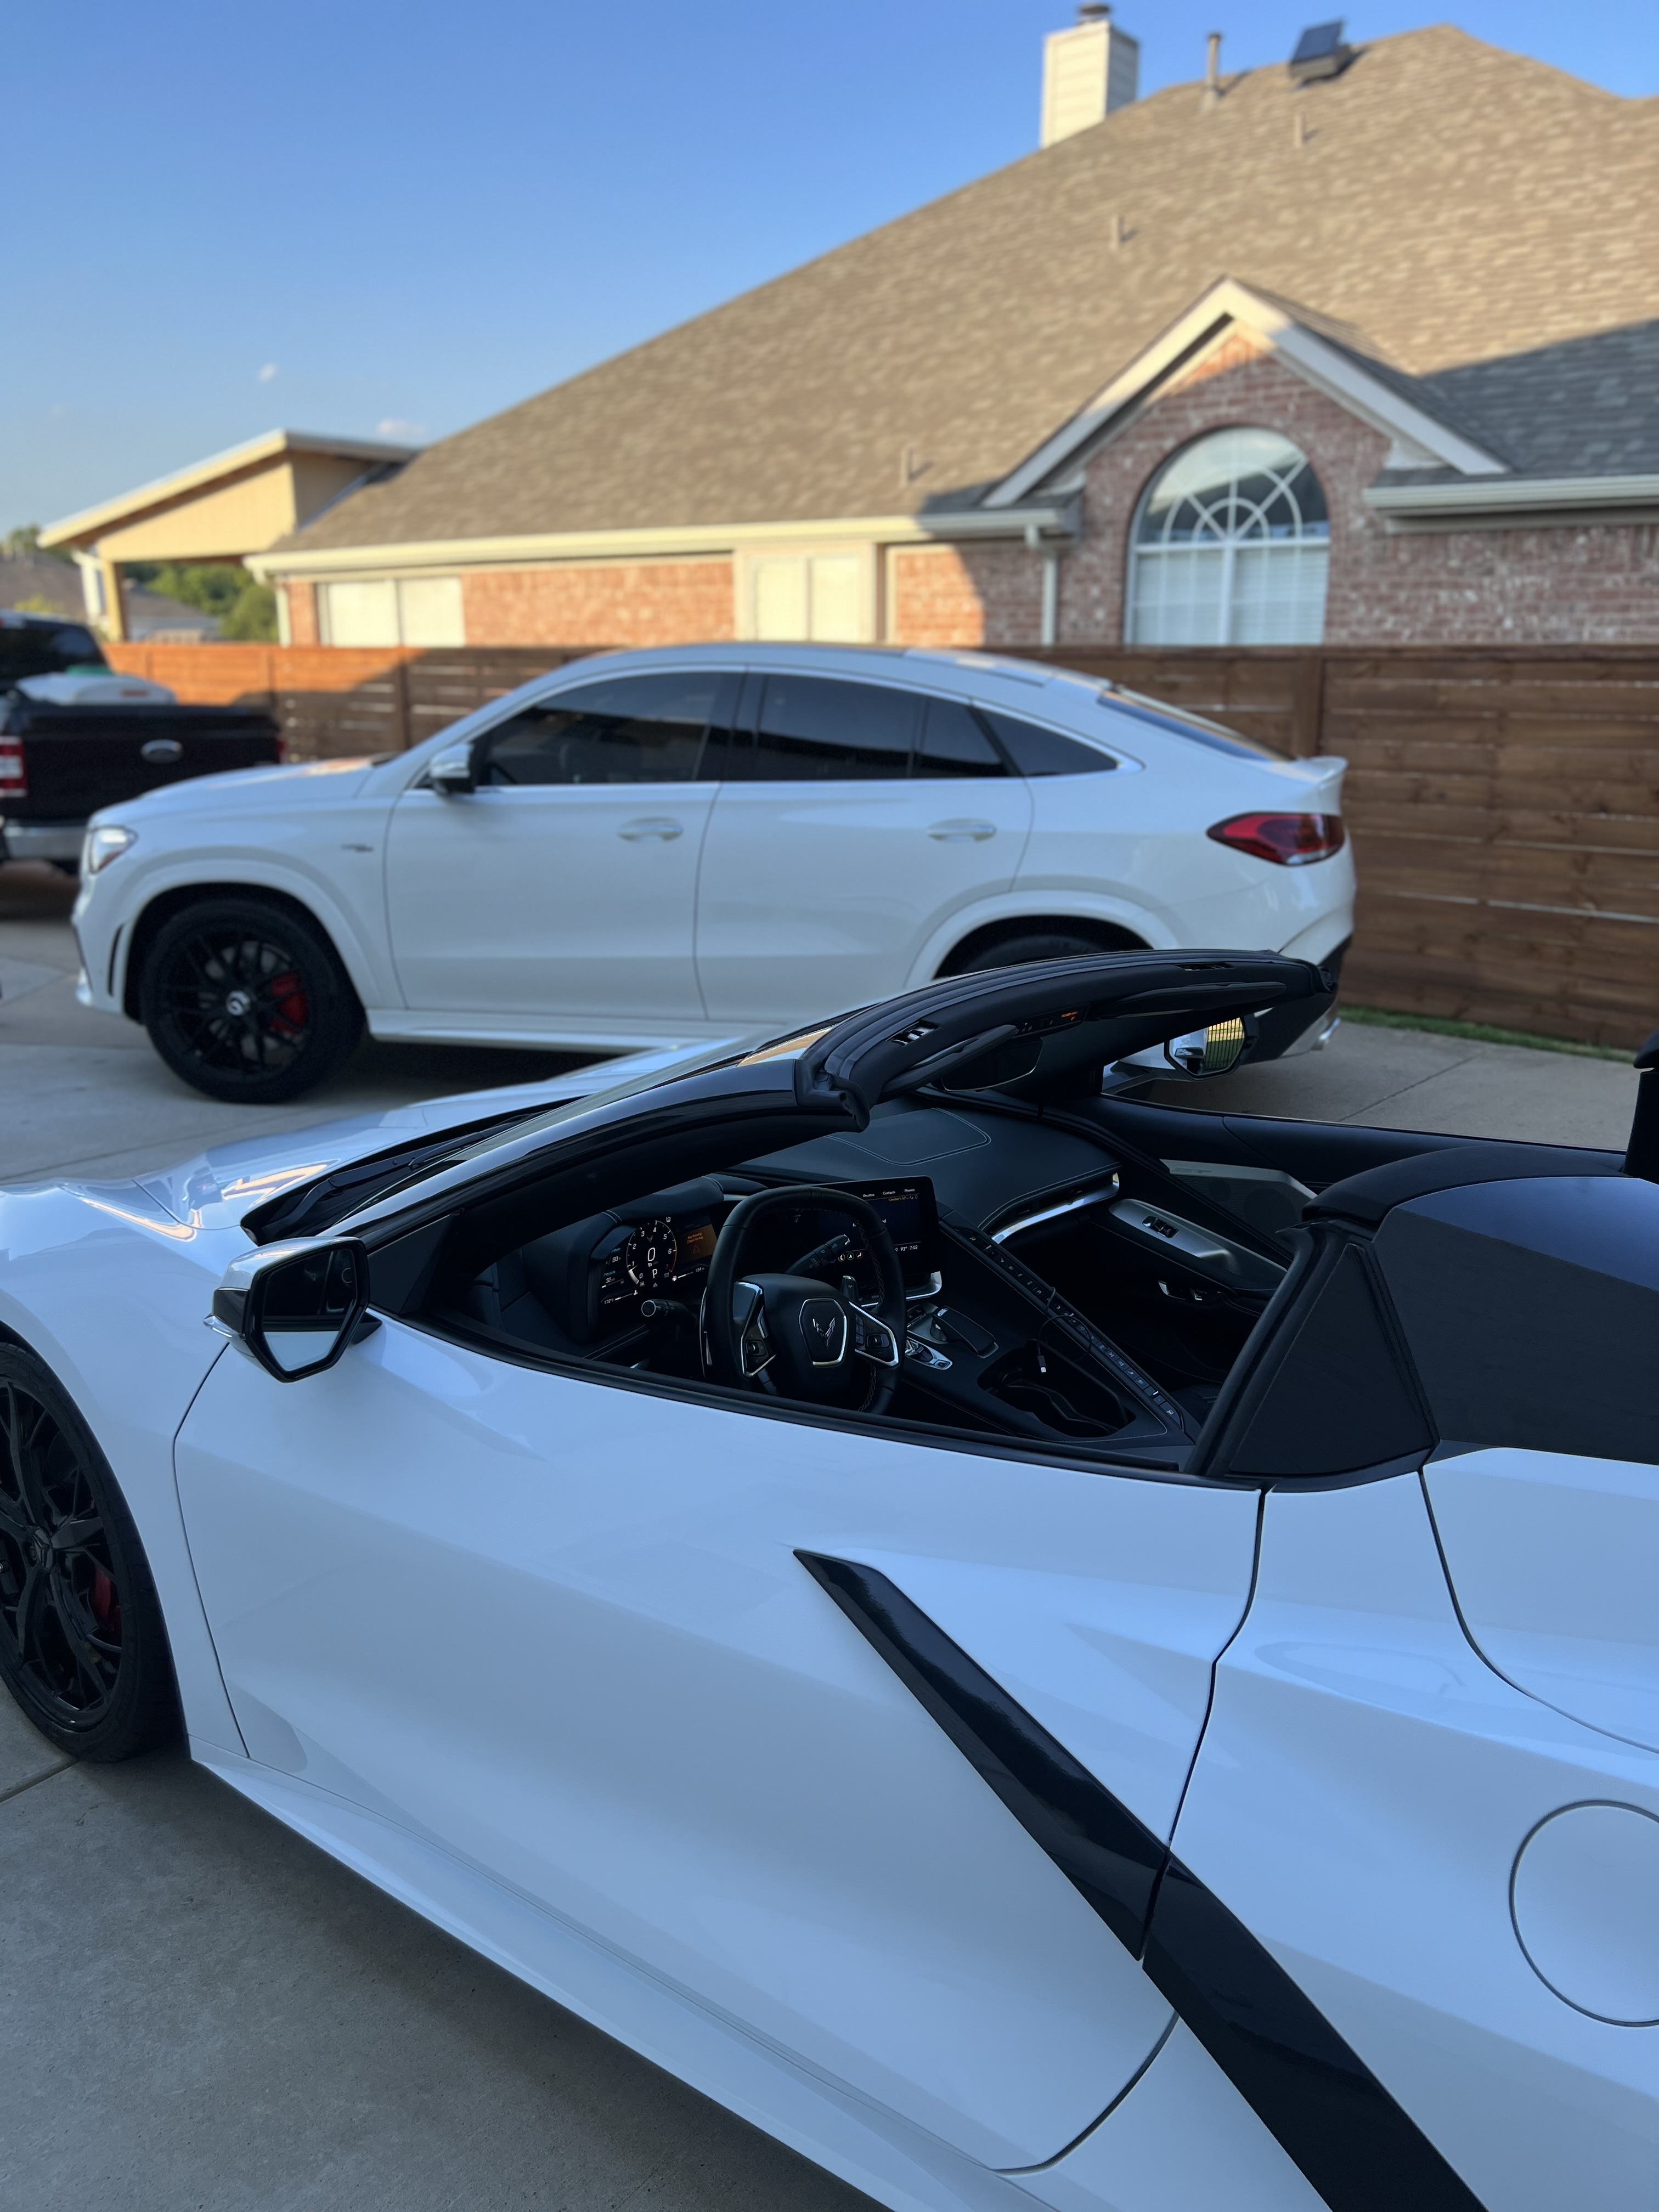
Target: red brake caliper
[(106, 1601), (288, 996)]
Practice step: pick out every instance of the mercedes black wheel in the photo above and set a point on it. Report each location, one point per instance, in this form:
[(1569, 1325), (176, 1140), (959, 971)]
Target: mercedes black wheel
[(247, 1001), (1037, 944), (82, 1646)]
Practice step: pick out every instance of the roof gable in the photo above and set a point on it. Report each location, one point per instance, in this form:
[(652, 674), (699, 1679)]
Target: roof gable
[(1421, 439)]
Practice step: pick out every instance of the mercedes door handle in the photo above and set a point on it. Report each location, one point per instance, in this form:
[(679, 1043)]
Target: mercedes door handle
[(634, 831), (962, 833)]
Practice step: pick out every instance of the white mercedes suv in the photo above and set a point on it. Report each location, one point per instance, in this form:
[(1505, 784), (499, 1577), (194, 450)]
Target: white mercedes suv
[(685, 846)]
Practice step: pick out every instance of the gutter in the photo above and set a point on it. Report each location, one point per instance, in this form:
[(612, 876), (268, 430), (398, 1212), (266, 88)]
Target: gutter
[(1047, 519), (1513, 496)]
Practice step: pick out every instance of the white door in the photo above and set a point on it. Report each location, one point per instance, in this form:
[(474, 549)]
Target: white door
[(560, 1625), (853, 820), (565, 885)]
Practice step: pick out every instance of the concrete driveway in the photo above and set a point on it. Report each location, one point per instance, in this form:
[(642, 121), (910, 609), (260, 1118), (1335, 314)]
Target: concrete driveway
[(198, 2009)]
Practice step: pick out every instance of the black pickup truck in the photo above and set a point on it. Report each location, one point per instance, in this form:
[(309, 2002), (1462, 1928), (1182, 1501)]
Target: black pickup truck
[(61, 759)]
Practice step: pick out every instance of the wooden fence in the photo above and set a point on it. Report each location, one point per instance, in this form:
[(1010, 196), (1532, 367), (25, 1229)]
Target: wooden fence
[(1502, 801)]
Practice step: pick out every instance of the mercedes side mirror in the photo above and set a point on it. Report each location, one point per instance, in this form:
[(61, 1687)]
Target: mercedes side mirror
[(295, 1307), (450, 774)]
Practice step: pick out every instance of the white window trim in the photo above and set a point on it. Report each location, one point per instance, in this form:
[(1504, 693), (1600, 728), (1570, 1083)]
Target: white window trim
[(325, 613), (1142, 555), (748, 558)]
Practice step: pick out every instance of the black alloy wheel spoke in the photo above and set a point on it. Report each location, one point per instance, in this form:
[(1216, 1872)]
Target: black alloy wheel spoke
[(21, 1432), (75, 1536), (24, 1622), (14, 1523), (80, 1628)]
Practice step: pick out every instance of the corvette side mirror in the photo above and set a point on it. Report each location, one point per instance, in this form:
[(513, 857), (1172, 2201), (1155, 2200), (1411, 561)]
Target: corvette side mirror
[(295, 1307), (1212, 1051), (450, 774)]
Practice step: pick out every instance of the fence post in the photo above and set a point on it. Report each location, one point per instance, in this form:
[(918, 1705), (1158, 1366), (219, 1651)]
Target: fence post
[(402, 728), (1308, 706)]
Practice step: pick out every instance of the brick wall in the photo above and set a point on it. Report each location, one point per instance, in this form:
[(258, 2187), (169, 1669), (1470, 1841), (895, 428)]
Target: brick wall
[(591, 602), (1574, 584), (302, 614), (950, 595)]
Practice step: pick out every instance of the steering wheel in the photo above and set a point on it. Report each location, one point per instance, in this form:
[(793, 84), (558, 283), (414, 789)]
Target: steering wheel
[(799, 1335)]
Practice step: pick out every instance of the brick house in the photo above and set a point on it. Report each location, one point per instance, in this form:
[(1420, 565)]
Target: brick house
[(1369, 359)]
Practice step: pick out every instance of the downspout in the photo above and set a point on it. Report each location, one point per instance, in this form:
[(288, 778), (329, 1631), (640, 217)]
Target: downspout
[(1049, 634)]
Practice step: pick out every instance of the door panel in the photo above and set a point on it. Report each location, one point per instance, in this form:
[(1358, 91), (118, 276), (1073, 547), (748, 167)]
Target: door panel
[(846, 833), (555, 901), (566, 884), (562, 1628), (1365, 1791), (1553, 1558)]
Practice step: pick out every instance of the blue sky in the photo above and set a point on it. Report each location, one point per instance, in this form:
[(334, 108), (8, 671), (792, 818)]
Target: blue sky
[(347, 216)]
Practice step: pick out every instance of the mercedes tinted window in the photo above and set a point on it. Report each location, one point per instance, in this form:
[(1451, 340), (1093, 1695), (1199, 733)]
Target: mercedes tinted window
[(1036, 751), (815, 729), (632, 729), (954, 742)]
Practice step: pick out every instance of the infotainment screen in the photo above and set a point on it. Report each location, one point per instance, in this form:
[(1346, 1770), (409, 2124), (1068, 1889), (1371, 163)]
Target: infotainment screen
[(906, 1207)]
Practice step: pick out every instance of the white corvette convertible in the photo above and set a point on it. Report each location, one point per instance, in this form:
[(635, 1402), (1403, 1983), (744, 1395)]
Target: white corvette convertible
[(1049, 1648)]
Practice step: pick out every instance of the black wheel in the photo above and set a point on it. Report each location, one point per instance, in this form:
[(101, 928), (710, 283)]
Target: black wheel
[(1037, 944), (82, 1646), (246, 1001)]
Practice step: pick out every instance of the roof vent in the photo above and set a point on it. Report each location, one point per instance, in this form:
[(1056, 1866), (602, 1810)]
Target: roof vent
[(1087, 72), (1320, 53)]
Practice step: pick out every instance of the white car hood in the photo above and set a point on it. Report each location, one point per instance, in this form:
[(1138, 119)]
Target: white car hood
[(298, 783), (214, 1188)]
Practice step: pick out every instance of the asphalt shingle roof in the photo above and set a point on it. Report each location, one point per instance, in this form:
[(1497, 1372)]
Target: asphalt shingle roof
[(1482, 221)]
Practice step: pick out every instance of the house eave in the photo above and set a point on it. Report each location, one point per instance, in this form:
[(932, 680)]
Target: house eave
[(1053, 520)]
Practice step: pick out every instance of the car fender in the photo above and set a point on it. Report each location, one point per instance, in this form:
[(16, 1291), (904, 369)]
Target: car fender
[(359, 939), (112, 1293), (1024, 902)]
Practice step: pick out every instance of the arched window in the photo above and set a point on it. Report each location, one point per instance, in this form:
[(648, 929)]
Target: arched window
[(1231, 546)]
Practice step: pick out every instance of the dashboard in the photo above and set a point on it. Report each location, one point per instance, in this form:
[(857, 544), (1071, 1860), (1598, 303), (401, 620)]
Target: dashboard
[(662, 1250)]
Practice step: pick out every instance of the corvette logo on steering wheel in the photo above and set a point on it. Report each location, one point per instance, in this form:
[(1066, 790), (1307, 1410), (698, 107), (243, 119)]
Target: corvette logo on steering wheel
[(824, 1325)]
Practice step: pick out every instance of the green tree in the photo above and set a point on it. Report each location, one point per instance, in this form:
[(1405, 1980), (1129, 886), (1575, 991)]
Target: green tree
[(25, 538), (243, 609), (252, 616)]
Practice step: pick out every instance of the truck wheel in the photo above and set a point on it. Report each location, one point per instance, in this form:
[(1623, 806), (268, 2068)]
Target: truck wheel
[(246, 1001)]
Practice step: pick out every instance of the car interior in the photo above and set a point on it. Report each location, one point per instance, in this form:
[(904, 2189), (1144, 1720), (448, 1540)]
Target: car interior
[(982, 1215), (1080, 1280)]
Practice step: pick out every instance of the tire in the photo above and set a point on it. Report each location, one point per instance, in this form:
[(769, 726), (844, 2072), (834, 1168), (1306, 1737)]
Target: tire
[(1036, 945), (247, 1001), (83, 1648)]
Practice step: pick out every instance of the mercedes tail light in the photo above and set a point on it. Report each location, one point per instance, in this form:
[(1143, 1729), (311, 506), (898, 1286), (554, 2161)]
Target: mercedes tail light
[(1288, 840), (14, 770)]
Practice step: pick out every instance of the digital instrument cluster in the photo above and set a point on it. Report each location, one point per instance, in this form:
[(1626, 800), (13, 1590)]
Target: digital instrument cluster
[(665, 1258), (666, 1255)]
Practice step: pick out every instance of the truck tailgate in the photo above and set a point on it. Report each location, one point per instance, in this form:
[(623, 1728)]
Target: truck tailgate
[(81, 758)]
